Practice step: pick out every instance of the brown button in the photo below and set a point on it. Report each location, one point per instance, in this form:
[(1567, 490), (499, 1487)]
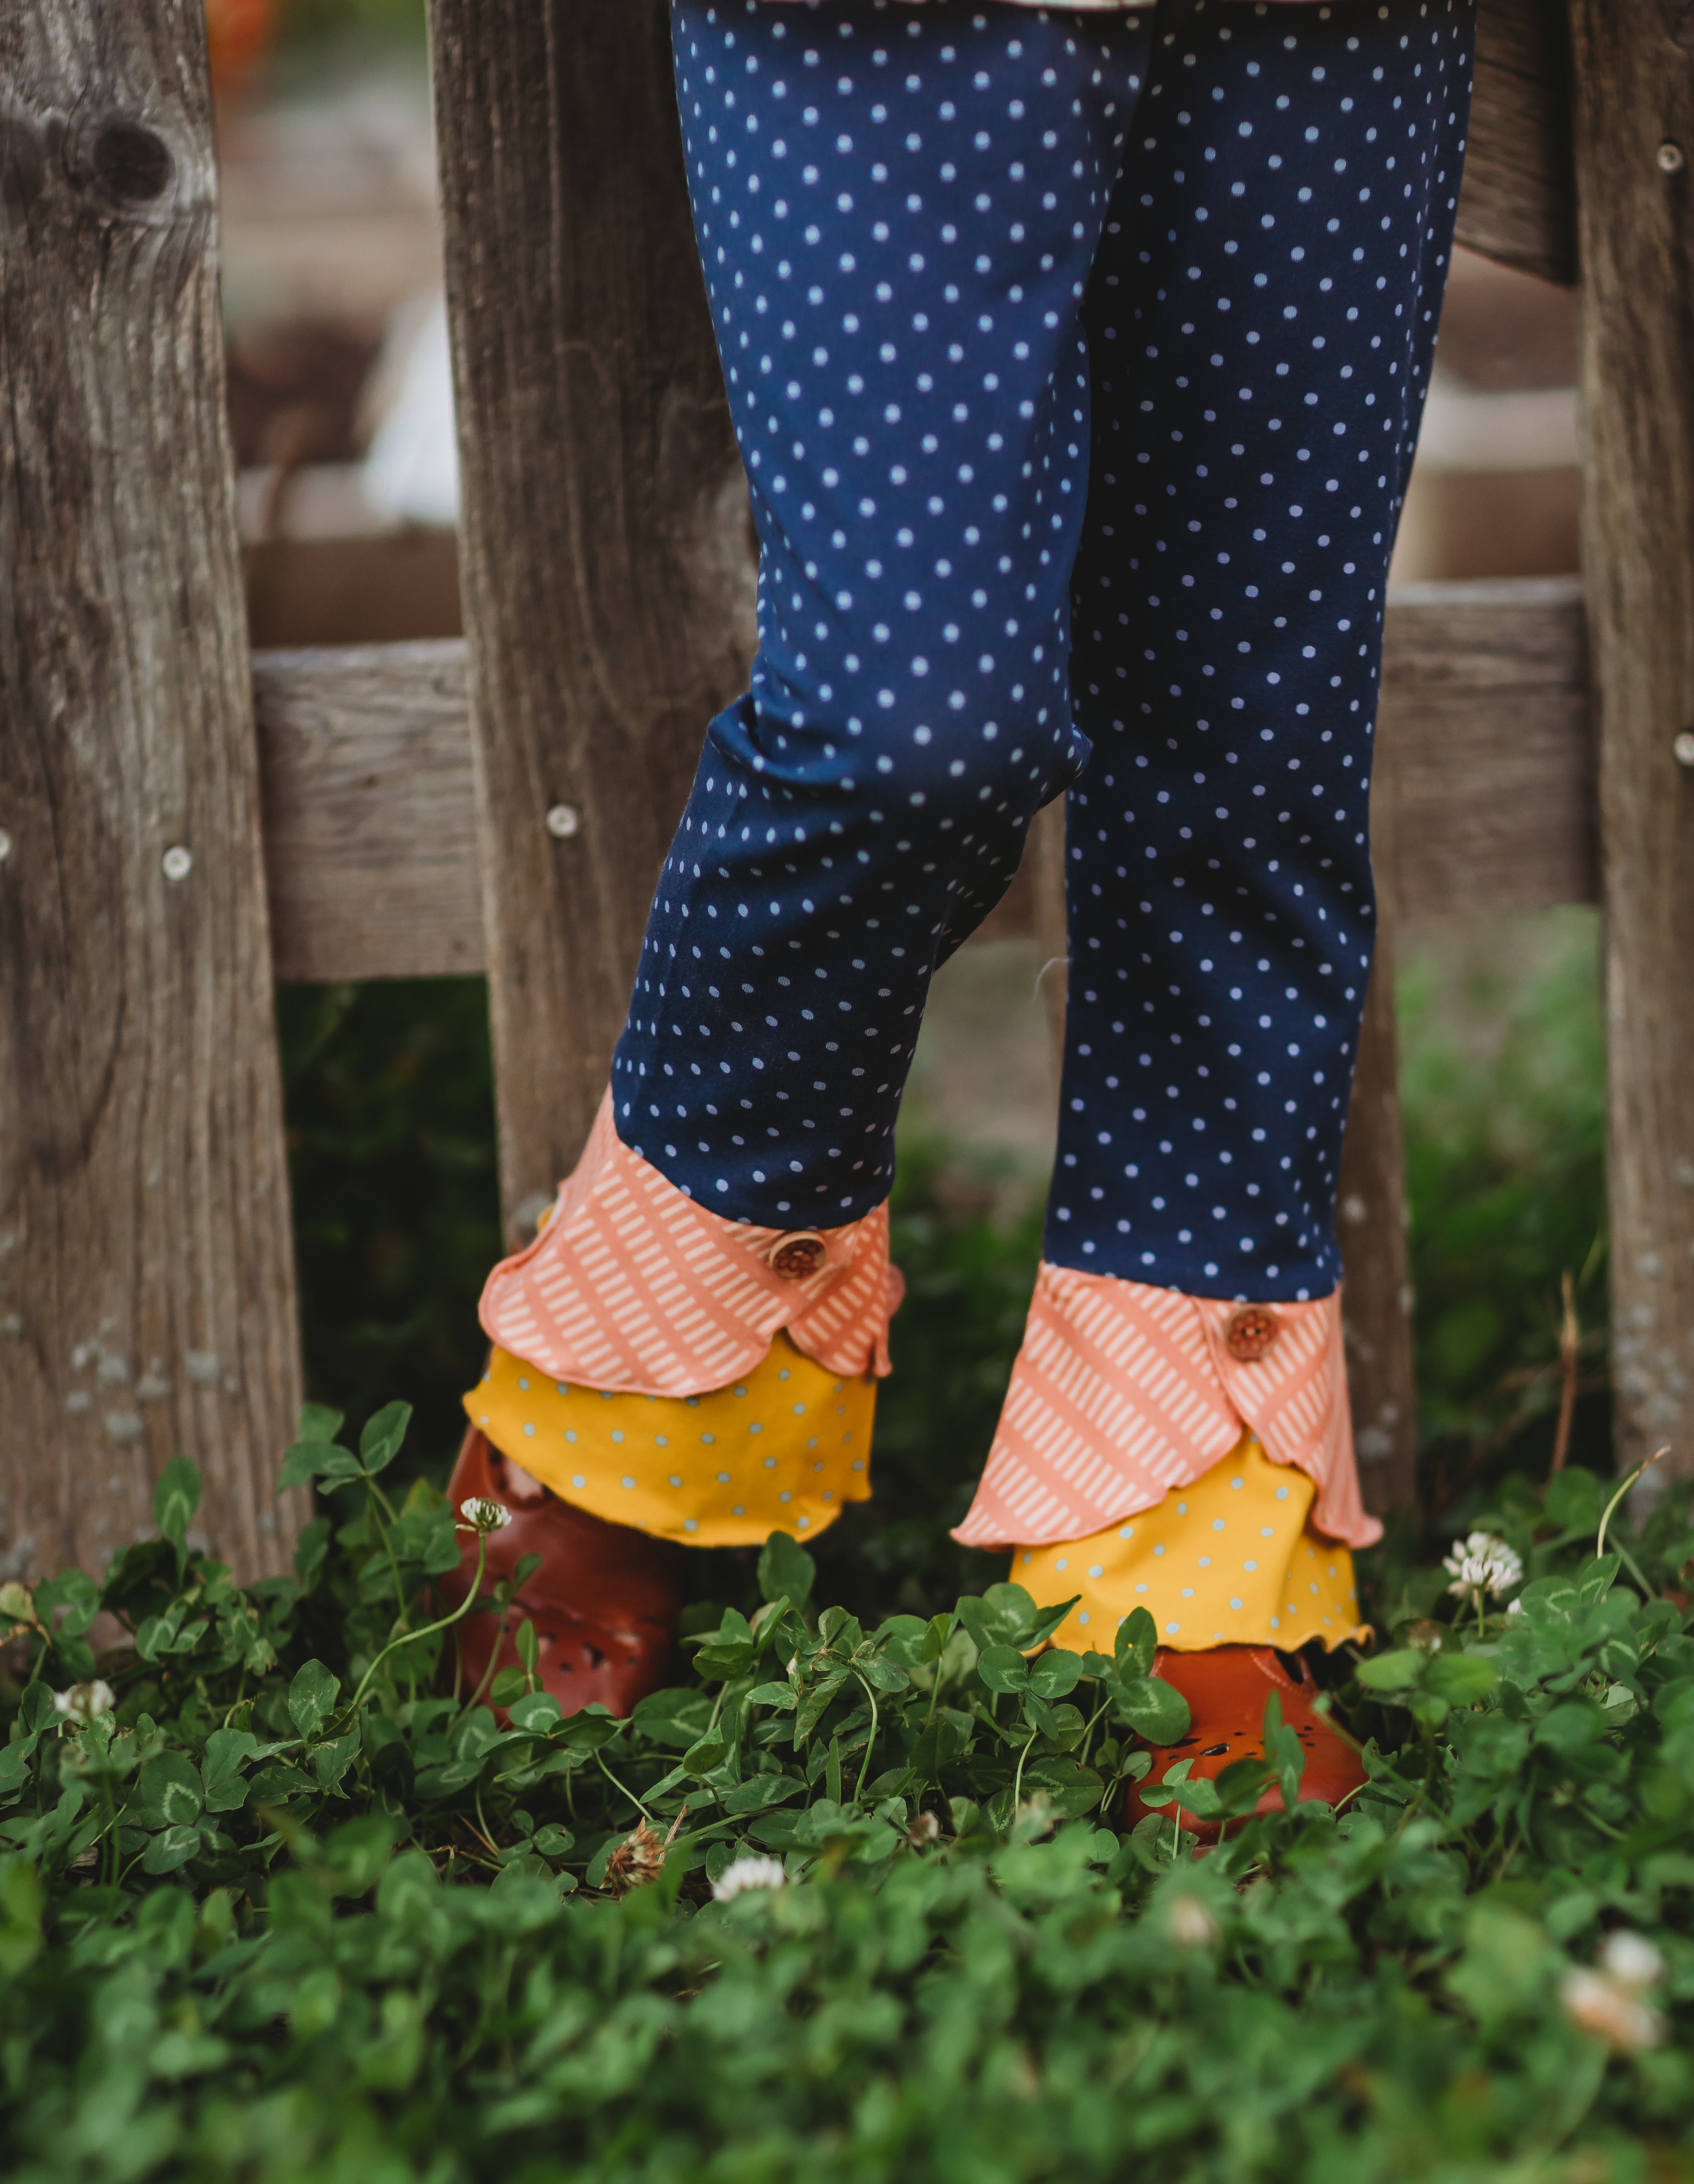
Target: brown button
[(797, 1258), (1252, 1334)]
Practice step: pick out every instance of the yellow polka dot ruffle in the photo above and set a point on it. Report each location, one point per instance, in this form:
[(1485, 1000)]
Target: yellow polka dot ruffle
[(1231, 1560), (782, 1451)]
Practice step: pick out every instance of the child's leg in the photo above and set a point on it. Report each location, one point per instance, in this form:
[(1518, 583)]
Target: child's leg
[(1260, 321), (897, 210)]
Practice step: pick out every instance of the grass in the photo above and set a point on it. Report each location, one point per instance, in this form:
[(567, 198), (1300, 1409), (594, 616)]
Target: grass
[(848, 1905), (278, 1902)]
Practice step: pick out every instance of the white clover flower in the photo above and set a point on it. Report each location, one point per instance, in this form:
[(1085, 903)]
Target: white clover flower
[(480, 1515), (748, 1872), (1482, 1565), (1611, 2009), (1632, 1960), (1192, 1925), (925, 1828), (85, 1701)]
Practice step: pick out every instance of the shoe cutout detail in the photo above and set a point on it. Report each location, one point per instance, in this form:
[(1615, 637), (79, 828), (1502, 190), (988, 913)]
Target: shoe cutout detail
[(1221, 1686), (604, 1603)]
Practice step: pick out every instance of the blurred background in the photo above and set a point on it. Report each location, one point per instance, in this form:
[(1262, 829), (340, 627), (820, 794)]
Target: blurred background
[(340, 407)]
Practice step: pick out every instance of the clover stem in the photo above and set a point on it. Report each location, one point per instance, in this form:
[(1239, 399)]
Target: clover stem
[(109, 1853), (487, 1676), (1094, 1722), (377, 1494), (1636, 1571), (1018, 1778), (625, 1787), (935, 1687), (1611, 1507), (870, 1744), (412, 1637)]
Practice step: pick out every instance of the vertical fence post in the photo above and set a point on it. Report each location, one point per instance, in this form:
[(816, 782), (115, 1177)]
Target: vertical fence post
[(1633, 69), (1376, 1299), (146, 1298), (606, 554)]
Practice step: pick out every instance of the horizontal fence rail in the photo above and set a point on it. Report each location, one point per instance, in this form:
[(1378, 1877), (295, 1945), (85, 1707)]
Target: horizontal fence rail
[(1485, 786)]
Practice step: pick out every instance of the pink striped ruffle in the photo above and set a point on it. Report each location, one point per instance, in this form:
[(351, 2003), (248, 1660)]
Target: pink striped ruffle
[(1122, 1391), (634, 1289)]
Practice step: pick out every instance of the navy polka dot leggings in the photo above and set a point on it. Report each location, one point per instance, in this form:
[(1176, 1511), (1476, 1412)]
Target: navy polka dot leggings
[(1077, 362)]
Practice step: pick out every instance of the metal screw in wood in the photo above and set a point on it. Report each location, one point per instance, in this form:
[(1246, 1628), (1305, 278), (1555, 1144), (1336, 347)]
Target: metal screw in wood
[(5, 845), (1672, 159), (563, 821), (178, 863), (1684, 749)]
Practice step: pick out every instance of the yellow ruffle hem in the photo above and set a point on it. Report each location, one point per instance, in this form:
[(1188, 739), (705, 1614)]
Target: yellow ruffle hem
[(1232, 1560), (782, 1451)]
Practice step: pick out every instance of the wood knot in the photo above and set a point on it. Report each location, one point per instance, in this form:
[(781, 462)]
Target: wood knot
[(130, 164), (136, 168)]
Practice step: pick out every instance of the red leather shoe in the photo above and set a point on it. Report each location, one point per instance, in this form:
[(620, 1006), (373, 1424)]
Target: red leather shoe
[(1226, 1688), (604, 1603)]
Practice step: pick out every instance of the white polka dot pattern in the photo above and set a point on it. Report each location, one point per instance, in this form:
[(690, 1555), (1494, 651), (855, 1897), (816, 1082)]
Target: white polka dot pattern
[(1025, 320), (1182, 1561), (1075, 7)]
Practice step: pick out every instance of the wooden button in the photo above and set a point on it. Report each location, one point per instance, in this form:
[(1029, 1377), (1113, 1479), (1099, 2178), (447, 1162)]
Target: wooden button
[(1252, 1334), (797, 1258)]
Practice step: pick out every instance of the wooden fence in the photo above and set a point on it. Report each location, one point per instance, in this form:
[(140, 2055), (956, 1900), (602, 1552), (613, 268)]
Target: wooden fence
[(179, 825)]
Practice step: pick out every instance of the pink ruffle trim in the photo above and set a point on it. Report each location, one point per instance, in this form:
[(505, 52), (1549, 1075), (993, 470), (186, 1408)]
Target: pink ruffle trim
[(633, 1288), (1121, 1392)]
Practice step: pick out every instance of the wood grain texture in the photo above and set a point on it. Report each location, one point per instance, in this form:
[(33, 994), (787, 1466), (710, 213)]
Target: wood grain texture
[(1370, 1224), (147, 1300), (1519, 202), (606, 563), (1635, 135), (1485, 750), (1049, 923), (1485, 762), (369, 812)]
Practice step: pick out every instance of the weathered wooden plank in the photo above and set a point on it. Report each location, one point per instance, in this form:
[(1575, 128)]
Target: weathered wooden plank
[(1485, 758), (1043, 873), (607, 583), (146, 1268), (1371, 1222), (1634, 132), (1519, 202), (369, 812)]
